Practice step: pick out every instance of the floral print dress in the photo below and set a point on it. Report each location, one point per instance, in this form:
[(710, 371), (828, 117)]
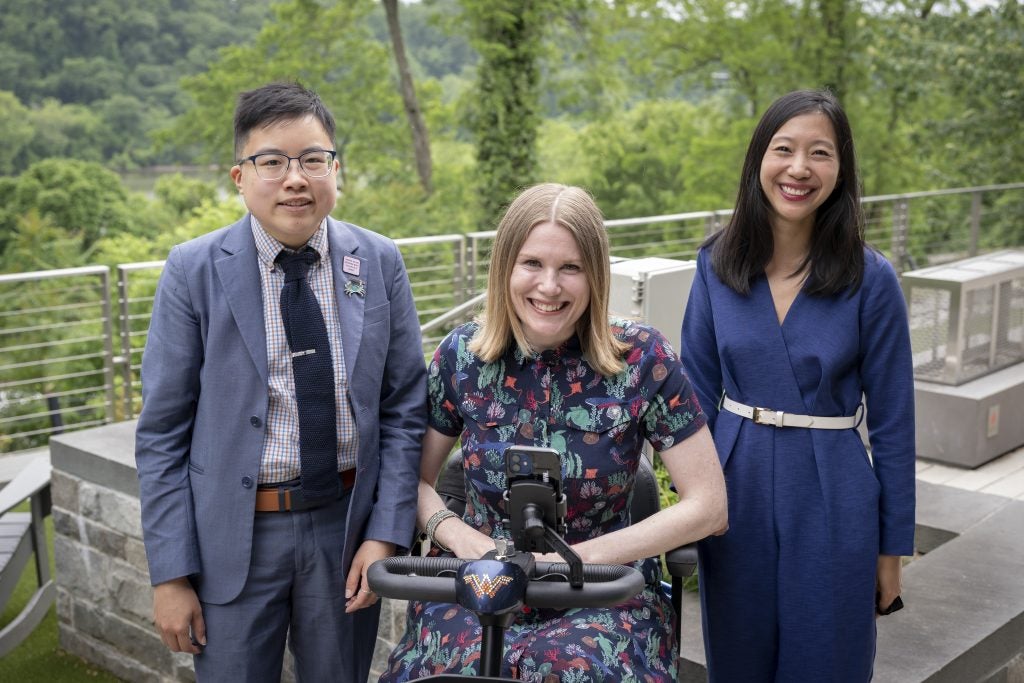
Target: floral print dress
[(598, 424)]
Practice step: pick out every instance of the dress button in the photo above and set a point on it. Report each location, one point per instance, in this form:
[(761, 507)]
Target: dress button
[(255, 421), (247, 482)]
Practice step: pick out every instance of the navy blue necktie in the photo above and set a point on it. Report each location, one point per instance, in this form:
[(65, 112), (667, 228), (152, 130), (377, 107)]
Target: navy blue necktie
[(314, 377)]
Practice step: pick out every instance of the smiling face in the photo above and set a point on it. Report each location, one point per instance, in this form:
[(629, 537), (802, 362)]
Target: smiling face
[(799, 170), (291, 208), (548, 287)]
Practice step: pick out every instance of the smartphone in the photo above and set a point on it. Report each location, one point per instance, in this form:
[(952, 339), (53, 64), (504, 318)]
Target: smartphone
[(533, 462), (533, 497)]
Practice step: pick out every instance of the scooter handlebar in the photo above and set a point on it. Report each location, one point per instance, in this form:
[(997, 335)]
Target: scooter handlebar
[(433, 579)]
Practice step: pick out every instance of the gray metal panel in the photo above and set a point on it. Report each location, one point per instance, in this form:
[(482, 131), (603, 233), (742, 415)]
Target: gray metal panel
[(966, 317), (653, 290)]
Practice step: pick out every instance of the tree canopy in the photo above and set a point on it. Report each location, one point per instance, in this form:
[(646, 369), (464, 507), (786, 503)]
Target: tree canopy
[(648, 103)]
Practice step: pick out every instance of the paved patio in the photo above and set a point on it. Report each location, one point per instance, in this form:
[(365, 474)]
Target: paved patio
[(1003, 476)]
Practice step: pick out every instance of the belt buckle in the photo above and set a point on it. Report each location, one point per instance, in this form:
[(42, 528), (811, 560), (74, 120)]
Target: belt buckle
[(765, 416)]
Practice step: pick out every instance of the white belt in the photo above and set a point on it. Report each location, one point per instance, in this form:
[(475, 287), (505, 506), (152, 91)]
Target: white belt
[(777, 418)]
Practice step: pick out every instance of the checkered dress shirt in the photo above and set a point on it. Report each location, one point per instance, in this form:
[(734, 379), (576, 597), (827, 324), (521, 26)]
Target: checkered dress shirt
[(280, 460)]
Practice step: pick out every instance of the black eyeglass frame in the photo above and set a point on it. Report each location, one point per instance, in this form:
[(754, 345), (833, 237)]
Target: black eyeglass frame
[(254, 157)]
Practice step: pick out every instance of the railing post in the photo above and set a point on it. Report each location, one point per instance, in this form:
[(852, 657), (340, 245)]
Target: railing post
[(900, 227), (711, 224), (975, 222), (459, 277), (126, 342), (108, 343)]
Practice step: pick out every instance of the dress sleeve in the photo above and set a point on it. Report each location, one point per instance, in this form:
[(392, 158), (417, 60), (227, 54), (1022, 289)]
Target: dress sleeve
[(673, 412), (699, 345), (442, 385), (887, 374)]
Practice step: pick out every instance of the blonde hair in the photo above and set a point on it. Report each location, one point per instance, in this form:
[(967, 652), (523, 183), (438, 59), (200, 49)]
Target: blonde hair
[(574, 209)]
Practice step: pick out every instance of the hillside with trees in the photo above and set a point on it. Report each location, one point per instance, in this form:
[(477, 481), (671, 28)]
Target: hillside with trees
[(647, 103)]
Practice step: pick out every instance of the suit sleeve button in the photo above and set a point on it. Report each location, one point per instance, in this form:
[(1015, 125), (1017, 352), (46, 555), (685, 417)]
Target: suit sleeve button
[(247, 482), (255, 421)]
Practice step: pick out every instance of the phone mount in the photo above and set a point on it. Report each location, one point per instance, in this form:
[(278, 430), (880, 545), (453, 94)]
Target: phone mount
[(536, 509)]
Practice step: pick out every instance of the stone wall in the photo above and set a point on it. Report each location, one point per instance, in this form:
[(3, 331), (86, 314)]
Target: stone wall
[(965, 600), (104, 599)]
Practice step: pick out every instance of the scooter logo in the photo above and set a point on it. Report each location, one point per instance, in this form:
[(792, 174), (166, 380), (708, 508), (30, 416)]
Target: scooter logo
[(486, 586)]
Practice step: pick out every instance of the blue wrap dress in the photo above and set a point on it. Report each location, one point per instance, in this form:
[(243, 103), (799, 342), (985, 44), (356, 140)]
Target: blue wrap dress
[(599, 425), (788, 592)]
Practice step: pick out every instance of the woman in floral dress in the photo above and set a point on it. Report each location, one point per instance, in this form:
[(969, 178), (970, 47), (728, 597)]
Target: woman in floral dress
[(547, 367)]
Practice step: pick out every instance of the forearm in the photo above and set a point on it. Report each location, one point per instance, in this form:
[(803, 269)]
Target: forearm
[(463, 540), (684, 522)]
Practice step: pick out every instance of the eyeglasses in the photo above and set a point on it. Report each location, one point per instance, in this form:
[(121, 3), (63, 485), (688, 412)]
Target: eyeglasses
[(271, 166)]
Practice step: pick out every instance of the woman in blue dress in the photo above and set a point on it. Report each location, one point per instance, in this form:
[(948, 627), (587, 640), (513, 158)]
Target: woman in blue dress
[(547, 367), (791, 323)]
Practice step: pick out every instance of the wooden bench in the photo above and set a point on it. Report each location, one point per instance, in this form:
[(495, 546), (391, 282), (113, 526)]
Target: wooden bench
[(22, 536)]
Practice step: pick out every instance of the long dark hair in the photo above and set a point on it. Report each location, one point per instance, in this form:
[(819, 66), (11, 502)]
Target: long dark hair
[(836, 257)]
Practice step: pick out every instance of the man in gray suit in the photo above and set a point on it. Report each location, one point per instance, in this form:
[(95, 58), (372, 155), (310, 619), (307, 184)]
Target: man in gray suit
[(240, 552)]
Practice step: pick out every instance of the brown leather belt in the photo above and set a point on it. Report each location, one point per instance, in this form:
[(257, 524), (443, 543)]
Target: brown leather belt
[(271, 498)]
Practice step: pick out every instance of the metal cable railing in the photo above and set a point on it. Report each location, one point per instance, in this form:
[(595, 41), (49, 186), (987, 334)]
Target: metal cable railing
[(59, 370)]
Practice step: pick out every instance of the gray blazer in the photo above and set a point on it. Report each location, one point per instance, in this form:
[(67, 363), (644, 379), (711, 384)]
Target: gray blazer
[(204, 387)]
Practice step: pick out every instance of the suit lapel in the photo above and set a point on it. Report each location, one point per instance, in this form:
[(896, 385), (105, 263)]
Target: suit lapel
[(350, 271), (240, 277)]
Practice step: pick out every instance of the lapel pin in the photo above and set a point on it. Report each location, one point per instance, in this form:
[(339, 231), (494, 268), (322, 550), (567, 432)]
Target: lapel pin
[(350, 265), (357, 287)]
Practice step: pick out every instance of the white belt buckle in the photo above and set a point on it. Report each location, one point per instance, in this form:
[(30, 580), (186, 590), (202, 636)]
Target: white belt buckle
[(764, 416)]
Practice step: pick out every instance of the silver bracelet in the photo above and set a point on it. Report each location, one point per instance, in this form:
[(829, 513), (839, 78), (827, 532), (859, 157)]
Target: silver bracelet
[(432, 524)]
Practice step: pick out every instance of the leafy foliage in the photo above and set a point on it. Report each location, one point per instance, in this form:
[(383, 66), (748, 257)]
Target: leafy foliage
[(111, 65), (505, 116)]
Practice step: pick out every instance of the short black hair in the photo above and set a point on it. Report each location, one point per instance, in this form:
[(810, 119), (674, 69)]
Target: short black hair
[(277, 102), (741, 251)]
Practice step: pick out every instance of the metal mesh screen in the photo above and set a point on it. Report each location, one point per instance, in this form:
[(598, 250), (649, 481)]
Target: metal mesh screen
[(978, 312), (1010, 331), (929, 331)]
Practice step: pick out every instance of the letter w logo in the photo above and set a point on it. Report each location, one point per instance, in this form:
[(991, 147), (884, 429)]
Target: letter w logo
[(486, 586)]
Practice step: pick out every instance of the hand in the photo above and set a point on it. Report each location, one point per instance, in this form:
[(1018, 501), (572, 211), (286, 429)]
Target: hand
[(471, 544), (357, 590), (178, 616), (889, 579)]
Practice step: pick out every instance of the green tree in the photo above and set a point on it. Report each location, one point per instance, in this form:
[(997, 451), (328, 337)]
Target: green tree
[(417, 127), (71, 131), (184, 195), (505, 112), (329, 49), (15, 130), (80, 197)]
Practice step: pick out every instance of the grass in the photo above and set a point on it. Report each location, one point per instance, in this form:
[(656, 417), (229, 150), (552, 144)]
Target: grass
[(38, 658)]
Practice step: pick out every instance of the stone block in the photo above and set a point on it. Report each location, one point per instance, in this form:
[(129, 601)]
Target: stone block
[(952, 509), (104, 455), (184, 667), (380, 657), (108, 658), (965, 606), (135, 554), (132, 642), (132, 595), (392, 619), (102, 539), (64, 491), (65, 607), (65, 523), (81, 570), (288, 667), (108, 507)]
